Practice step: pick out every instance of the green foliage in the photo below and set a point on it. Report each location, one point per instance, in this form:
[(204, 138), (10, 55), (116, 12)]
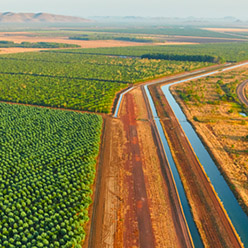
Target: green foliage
[(162, 30), (195, 118), (227, 51), (77, 81), (134, 39), (99, 36), (25, 44), (47, 167), (199, 58), (230, 91)]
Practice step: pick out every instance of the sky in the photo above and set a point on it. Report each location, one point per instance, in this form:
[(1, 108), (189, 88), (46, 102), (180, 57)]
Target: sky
[(152, 8)]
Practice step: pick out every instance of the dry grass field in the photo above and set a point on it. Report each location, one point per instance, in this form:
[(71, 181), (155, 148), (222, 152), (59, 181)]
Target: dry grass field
[(227, 29), (212, 106), (19, 37)]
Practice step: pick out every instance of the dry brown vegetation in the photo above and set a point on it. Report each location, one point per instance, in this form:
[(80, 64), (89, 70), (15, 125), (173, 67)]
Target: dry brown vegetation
[(227, 29), (19, 50), (19, 37), (83, 43), (216, 118), (210, 217)]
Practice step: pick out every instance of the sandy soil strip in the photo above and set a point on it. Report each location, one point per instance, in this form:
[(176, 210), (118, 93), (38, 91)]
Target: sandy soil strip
[(227, 29), (19, 50)]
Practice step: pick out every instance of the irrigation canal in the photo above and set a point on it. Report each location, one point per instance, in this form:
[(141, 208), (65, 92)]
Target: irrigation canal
[(234, 211)]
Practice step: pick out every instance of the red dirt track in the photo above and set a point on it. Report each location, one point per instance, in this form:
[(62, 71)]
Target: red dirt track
[(136, 206), (137, 197)]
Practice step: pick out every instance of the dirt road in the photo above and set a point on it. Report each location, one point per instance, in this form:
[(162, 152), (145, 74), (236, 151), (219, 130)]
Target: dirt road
[(135, 205), (241, 93), (179, 217)]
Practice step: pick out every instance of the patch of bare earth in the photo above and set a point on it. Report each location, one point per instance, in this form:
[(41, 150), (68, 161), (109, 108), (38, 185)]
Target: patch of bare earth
[(221, 127), (133, 207), (157, 193), (19, 37), (83, 43), (107, 221), (168, 43), (19, 50), (227, 29)]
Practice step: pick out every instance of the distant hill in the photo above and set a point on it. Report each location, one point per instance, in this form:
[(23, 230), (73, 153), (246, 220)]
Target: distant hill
[(183, 21), (10, 17)]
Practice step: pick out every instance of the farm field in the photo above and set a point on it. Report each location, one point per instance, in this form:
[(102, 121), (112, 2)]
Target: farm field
[(63, 37), (49, 156), (89, 38), (77, 81), (228, 51), (157, 30), (48, 160), (241, 32), (213, 107)]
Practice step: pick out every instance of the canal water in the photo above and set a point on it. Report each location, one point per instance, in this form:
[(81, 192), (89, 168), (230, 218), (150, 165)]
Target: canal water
[(186, 208), (234, 211)]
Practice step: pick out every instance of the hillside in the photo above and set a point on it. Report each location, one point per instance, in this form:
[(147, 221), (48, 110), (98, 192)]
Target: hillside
[(10, 17)]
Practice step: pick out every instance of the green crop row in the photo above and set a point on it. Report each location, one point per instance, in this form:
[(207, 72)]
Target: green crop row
[(159, 30), (227, 51), (47, 168), (77, 81), (26, 44)]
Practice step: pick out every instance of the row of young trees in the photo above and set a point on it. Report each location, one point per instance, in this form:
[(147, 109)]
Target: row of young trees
[(47, 167), (90, 67), (233, 51), (75, 81), (25, 44), (176, 57)]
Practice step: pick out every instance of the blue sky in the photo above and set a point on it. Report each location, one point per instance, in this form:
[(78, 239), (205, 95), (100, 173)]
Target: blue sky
[(166, 8)]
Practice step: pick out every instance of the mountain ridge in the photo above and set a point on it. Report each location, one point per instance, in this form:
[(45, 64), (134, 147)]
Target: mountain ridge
[(41, 17)]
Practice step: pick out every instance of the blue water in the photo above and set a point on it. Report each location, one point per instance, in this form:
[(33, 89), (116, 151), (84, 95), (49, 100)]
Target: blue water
[(234, 211), (186, 209), (119, 102), (243, 114)]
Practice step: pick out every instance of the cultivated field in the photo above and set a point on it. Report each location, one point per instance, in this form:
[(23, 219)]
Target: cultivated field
[(31, 37), (50, 157), (48, 161), (228, 51), (77, 81)]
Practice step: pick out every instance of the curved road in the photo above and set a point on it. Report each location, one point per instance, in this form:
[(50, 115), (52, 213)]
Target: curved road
[(241, 93)]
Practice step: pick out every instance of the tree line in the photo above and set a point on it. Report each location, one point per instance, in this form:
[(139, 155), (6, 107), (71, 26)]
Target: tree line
[(177, 57)]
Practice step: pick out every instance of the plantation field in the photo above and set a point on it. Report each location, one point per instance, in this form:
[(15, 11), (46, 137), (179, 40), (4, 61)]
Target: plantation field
[(228, 51), (77, 81), (7, 44), (47, 168), (156, 30)]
